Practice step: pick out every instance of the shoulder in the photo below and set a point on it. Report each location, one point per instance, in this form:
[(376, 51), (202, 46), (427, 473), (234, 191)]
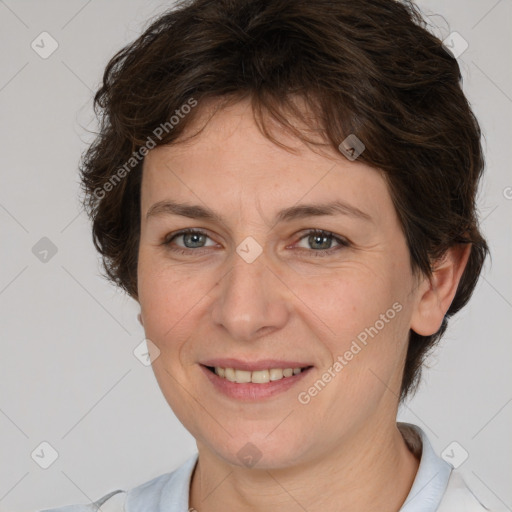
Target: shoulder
[(111, 502), (143, 497), (458, 496), (169, 489)]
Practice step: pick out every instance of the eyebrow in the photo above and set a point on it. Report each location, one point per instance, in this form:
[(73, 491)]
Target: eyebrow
[(169, 207)]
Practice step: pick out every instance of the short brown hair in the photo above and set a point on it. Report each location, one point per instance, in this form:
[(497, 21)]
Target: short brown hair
[(366, 67)]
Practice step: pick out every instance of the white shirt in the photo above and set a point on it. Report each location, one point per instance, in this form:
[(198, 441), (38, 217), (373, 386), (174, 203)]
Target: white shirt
[(437, 487)]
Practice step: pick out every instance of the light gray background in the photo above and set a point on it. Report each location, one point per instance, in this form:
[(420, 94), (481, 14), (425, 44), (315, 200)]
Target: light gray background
[(68, 373)]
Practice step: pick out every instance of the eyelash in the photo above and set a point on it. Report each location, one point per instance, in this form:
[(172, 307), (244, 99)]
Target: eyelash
[(343, 243)]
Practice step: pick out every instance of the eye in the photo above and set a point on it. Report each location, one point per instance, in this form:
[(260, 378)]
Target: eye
[(192, 239), (320, 241)]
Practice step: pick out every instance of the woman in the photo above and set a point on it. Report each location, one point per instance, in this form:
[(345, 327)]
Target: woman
[(287, 189)]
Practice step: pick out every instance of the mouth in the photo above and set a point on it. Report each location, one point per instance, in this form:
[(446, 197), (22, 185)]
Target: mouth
[(257, 376), (253, 385)]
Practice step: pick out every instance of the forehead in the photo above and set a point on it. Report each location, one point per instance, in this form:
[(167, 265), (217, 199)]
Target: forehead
[(231, 162)]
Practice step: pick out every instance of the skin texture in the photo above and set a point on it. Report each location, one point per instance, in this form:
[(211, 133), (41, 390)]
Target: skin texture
[(342, 451)]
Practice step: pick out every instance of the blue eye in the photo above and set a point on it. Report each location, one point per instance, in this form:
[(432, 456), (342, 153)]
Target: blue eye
[(190, 237), (323, 238), (194, 240)]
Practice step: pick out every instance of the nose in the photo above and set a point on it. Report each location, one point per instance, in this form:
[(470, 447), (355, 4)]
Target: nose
[(251, 300)]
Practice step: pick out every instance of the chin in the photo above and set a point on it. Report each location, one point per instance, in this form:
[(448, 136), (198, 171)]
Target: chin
[(259, 454)]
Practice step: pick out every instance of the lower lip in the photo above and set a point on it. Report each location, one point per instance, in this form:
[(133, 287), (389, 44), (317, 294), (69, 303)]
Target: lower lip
[(250, 391)]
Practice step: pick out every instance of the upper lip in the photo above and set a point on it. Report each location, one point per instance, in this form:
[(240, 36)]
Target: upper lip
[(261, 364)]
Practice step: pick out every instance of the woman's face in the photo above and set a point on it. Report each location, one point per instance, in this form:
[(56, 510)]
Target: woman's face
[(256, 285)]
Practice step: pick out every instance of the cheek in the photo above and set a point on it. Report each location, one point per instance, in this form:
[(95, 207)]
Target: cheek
[(170, 298), (347, 302), (360, 317)]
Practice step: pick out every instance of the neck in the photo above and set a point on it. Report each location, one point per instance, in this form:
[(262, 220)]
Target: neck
[(373, 469)]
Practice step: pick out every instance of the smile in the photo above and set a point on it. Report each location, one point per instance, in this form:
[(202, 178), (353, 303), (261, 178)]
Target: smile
[(256, 377), (255, 385)]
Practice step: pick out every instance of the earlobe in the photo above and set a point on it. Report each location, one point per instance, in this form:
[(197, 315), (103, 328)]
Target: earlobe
[(435, 294)]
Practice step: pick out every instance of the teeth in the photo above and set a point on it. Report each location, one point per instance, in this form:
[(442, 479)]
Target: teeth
[(276, 374), (257, 377), (242, 376), (230, 374)]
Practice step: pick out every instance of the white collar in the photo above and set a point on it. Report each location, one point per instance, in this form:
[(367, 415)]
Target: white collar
[(431, 479)]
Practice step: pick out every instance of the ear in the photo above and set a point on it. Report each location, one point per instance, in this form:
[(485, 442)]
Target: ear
[(435, 294)]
